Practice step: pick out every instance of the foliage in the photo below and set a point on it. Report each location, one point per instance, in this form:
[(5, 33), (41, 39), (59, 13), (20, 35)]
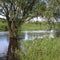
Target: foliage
[(53, 8), (40, 8), (3, 26)]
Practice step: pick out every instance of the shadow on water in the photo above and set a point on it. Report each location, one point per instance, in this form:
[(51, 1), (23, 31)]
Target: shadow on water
[(3, 58)]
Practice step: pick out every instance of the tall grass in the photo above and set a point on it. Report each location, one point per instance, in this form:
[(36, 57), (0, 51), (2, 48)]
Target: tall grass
[(41, 49)]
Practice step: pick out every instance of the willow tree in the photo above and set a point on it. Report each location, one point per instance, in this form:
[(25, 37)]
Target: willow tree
[(16, 13)]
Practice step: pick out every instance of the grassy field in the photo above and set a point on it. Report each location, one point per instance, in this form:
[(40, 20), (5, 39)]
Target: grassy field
[(41, 49)]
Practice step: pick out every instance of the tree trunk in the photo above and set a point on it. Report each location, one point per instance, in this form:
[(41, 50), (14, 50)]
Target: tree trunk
[(13, 43), (11, 49)]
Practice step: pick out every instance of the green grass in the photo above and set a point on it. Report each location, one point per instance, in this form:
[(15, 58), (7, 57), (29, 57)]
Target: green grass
[(34, 26), (41, 49), (31, 26), (57, 25), (39, 26)]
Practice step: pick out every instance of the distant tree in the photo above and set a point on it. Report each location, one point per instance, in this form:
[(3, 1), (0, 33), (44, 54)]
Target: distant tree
[(17, 12), (52, 10)]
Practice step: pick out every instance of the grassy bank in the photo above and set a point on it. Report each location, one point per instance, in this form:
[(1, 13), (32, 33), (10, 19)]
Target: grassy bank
[(34, 26), (41, 49), (31, 26), (40, 26)]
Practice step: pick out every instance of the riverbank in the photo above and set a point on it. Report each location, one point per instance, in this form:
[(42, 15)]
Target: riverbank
[(31, 26), (40, 26)]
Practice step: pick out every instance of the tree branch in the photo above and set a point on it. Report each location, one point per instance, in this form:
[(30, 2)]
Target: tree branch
[(28, 7)]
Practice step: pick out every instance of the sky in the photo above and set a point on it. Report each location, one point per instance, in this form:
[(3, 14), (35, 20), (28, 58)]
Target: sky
[(2, 17)]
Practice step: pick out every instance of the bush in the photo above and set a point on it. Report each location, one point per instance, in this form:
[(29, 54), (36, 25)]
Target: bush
[(3, 26)]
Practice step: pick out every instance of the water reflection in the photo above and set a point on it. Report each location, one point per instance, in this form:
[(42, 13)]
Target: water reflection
[(30, 35), (3, 43)]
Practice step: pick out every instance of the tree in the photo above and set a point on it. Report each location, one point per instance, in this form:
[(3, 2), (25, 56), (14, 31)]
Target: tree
[(16, 13), (52, 11)]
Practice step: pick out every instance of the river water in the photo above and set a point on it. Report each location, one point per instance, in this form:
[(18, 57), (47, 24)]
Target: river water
[(27, 35)]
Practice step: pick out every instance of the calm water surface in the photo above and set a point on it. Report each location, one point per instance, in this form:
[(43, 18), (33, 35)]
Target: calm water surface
[(3, 43)]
